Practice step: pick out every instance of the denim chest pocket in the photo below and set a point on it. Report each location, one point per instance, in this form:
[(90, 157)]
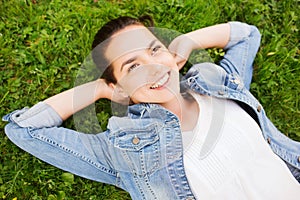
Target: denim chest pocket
[(137, 139), (139, 148)]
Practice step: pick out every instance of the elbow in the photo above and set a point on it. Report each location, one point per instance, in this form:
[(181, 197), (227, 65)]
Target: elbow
[(255, 33), (15, 133)]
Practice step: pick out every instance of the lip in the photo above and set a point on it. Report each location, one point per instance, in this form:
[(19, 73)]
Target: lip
[(159, 87)]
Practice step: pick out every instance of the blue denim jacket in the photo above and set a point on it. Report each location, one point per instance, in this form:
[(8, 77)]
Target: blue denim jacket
[(142, 152)]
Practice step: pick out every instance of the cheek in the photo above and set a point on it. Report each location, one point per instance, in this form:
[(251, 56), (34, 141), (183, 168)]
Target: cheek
[(141, 95), (169, 60), (133, 83), (137, 89)]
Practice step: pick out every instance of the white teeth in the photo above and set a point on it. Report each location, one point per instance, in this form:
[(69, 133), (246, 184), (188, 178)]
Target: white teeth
[(161, 82)]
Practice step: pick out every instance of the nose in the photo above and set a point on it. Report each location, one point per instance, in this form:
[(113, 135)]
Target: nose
[(155, 67)]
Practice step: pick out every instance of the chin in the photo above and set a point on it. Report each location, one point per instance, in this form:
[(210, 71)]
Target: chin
[(159, 96)]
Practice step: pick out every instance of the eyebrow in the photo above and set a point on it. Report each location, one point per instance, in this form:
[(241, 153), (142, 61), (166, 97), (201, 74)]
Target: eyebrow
[(134, 58)]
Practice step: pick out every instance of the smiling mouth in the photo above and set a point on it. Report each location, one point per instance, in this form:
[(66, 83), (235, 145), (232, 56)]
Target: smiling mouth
[(161, 82)]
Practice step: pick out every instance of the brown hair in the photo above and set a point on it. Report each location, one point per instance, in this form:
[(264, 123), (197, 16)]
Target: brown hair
[(105, 33)]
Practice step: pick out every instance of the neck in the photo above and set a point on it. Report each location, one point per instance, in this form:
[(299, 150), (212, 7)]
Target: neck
[(186, 110)]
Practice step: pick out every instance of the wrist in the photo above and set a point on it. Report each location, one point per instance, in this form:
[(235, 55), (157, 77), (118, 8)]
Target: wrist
[(102, 90), (194, 41)]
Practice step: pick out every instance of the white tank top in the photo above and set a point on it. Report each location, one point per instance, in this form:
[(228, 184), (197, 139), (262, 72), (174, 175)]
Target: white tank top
[(226, 157)]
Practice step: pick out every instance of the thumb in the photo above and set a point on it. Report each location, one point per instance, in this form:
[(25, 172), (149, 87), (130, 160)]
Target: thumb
[(180, 61)]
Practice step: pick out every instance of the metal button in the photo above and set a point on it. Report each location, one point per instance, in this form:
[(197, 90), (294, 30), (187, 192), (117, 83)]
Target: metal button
[(189, 198), (220, 92), (269, 140), (258, 108), (135, 140), (236, 81)]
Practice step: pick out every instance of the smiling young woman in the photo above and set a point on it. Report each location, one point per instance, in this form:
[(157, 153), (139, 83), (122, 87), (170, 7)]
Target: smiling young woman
[(219, 144), (134, 47)]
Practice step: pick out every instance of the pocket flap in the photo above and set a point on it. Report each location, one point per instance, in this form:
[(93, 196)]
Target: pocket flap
[(136, 139)]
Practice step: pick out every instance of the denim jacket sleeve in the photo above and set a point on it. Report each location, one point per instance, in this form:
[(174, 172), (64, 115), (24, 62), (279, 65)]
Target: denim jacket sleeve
[(39, 116), (36, 131), (241, 50)]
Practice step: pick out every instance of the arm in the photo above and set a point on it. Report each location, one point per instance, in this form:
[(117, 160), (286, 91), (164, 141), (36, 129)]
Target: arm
[(239, 40), (55, 109), (241, 50), (35, 131), (208, 37), (69, 102)]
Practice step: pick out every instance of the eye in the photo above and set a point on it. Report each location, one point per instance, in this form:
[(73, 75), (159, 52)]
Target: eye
[(155, 49), (132, 67)]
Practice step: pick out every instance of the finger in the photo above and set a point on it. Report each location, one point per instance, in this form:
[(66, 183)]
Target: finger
[(181, 64), (180, 61)]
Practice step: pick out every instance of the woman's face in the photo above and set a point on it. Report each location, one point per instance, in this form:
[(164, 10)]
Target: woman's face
[(144, 68)]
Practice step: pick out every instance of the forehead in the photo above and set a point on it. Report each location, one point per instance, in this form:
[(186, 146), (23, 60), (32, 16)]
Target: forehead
[(128, 40)]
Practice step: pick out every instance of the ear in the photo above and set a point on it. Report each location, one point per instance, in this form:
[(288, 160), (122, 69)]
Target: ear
[(118, 90), (111, 85)]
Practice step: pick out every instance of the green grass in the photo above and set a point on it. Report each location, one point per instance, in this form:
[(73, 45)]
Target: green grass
[(43, 44)]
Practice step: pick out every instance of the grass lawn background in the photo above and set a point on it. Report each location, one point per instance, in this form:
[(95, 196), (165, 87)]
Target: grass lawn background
[(43, 43)]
